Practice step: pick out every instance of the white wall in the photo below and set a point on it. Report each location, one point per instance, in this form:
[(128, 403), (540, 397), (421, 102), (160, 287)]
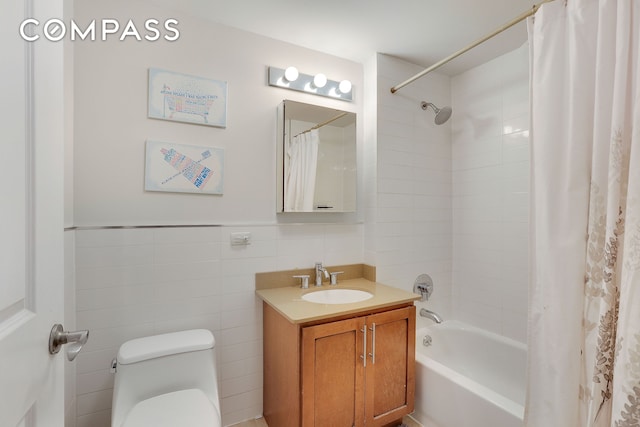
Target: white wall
[(412, 211), (136, 282), (111, 124), (490, 142)]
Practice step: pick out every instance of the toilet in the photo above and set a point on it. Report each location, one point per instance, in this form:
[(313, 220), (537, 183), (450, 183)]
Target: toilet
[(167, 380)]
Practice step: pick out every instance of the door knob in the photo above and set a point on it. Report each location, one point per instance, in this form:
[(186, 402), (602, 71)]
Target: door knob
[(75, 339)]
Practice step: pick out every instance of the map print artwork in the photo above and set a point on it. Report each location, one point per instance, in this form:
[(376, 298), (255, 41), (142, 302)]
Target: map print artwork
[(181, 102), (197, 174), (184, 98), (183, 168)]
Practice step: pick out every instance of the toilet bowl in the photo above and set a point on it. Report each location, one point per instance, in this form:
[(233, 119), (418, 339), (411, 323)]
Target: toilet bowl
[(167, 380)]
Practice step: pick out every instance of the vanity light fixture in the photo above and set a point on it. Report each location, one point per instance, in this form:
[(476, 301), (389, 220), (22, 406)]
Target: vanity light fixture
[(317, 84), (291, 74), (345, 86), (319, 80)]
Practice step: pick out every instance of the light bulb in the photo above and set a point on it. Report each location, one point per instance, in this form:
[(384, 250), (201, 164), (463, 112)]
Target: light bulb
[(345, 86), (319, 80), (291, 74)]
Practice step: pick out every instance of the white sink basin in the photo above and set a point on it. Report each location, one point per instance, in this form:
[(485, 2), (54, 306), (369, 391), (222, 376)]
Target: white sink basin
[(337, 296)]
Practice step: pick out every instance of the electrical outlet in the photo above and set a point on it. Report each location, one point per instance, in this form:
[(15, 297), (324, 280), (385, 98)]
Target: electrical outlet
[(241, 239)]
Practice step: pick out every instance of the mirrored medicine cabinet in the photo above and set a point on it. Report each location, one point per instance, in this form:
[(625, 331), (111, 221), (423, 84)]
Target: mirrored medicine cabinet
[(316, 163)]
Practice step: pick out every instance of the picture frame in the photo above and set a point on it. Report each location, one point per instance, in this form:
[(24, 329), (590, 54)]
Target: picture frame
[(183, 168), (189, 99)]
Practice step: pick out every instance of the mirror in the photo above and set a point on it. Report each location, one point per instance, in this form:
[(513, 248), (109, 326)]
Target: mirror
[(316, 166)]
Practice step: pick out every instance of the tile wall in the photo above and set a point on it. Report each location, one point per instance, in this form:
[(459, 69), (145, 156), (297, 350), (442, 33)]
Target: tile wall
[(412, 210), (490, 161), (137, 282)]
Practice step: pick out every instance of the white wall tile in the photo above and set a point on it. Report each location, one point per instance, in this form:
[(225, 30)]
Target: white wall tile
[(104, 256), (240, 334), (186, 252), (302, 231), (172, 272), (241, 367), (91, 361), (515, 124), (395, 186), (96, 419), (238, 283), (240, 384), (94, 402), (240, 351), (490, 195), (394, 157), (113, 276), (235, 408), (114, 237), (94, 381), (515, 99), (312, 247), (394, 171), (100, 298), (256, 249), (176, 235), (210, 321), (240, 267)]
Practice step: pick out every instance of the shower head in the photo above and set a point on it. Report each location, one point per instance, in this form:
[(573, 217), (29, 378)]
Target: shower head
[(442, 114)]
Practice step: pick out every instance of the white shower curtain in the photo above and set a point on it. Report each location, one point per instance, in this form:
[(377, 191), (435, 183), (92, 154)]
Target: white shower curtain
[(300, 178), (584, 320)]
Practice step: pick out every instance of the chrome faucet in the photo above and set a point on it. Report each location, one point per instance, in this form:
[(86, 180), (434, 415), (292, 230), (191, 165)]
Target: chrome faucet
[(431, 315), (319, 270)]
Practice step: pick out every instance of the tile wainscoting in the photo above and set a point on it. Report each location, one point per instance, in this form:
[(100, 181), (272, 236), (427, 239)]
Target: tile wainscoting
[(144, 281)]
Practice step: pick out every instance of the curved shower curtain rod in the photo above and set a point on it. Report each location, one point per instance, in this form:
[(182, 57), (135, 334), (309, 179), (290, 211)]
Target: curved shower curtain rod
[(439, 64)]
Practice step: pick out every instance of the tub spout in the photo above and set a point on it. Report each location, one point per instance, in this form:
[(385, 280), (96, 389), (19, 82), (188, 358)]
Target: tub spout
[(430, 315)]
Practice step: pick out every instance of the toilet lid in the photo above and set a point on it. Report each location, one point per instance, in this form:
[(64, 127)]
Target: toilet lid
[(184, 408)]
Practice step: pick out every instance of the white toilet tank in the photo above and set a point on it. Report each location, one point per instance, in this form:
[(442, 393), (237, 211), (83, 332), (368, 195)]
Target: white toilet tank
[(173, 369)]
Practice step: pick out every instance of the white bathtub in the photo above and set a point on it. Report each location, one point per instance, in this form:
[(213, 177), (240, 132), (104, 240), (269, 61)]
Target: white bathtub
[(468, 377)]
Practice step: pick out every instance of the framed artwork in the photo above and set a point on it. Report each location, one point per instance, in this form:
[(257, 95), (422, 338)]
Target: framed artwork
[(189, 99), (183, 168)]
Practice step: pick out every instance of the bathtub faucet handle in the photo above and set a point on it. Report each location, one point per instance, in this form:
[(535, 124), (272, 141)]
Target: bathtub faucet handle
[(423, 286)]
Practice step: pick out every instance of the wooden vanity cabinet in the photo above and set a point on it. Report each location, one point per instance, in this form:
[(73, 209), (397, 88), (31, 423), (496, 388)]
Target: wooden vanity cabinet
[(355, 371)]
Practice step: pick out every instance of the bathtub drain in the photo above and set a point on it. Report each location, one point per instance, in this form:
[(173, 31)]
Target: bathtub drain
[(426, 340)]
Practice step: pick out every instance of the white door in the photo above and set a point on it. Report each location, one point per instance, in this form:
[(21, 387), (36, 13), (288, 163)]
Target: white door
[(31, 219)]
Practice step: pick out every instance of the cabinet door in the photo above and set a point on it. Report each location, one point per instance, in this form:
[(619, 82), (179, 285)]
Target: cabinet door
[(390, 371), (333, 373)]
